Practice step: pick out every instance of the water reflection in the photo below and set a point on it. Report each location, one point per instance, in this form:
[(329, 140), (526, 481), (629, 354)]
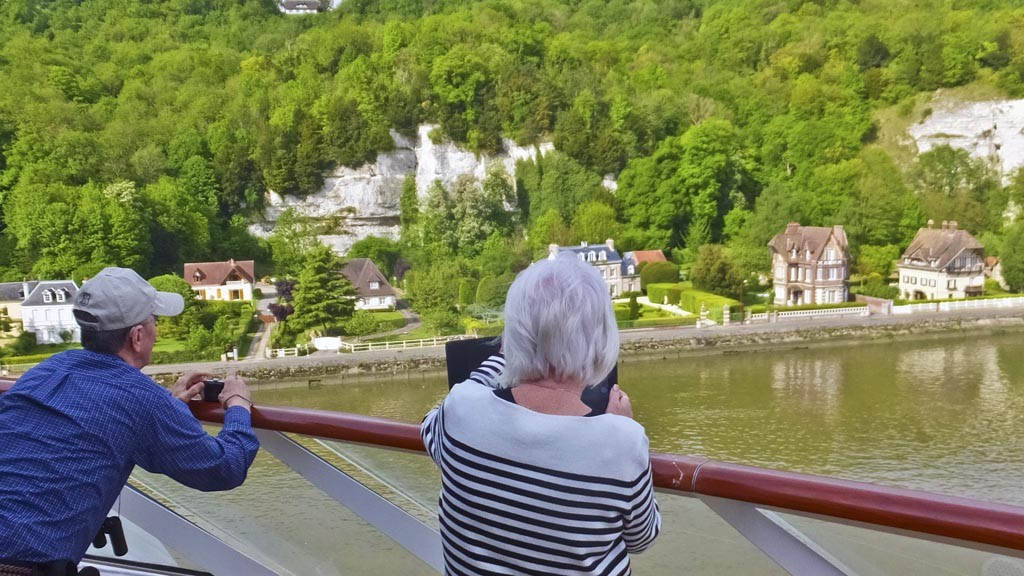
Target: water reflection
[(945, 415)]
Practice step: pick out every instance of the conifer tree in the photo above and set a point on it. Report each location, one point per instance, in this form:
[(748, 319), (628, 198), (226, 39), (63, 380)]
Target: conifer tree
[(323, 296)]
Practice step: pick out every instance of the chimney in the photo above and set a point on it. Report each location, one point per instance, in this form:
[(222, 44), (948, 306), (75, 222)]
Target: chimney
[(231, 262), (792, 227), (952, 224), (24, 290), (610, 243), (552, 251), (931, 223), (583, 243), (945, 225)]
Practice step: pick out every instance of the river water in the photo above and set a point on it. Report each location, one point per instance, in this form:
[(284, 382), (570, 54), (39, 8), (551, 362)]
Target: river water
[(944, 414)]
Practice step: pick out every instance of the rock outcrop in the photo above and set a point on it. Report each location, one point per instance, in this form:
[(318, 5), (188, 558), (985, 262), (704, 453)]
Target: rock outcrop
[(992, 130), (368, 197)]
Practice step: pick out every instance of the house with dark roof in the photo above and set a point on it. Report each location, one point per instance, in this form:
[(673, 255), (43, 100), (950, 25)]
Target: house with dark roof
[(810, 265), (230, 280), (46, 312), (12, 294), (942, 263), (621, 273), (375, 293)]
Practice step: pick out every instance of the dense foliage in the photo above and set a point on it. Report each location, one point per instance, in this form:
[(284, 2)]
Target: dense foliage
[(147, 133)]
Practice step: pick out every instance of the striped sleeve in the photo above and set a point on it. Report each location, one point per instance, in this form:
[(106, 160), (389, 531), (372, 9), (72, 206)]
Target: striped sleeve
[(643, 521), (488, 372)]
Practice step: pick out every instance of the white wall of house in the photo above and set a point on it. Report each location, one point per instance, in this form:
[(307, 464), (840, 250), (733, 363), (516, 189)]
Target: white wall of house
[(232, 290), (376, 303), (47, 322), (936, 284)]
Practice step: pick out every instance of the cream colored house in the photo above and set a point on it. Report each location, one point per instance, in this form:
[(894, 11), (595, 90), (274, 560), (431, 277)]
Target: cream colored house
[(942, 263), (621, 273), (810, 265), (231, 280)]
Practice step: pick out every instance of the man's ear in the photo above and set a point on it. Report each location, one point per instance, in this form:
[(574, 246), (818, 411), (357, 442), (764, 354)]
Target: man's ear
[(135, 337)]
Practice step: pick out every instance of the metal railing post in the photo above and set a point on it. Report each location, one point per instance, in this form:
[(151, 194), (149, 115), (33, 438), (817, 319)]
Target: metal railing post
[(413, 535), (780, 541)]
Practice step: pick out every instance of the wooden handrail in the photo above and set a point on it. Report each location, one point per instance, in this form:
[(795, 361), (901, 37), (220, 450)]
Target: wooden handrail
[(913, 510)]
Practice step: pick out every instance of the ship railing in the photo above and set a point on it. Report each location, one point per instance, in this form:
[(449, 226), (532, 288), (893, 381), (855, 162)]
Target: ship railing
[(776, 511)]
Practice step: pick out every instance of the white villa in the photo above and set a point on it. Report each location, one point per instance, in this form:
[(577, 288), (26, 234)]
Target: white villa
[(942, 263), (621, 273), (46, 312)]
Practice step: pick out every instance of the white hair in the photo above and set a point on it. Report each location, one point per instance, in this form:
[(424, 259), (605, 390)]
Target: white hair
[(559, 324)]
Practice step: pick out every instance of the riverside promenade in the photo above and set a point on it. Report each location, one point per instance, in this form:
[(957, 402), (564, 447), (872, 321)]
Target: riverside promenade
[(645, 341)]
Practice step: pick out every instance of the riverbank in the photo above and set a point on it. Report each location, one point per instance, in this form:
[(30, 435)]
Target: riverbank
[(643, 343)]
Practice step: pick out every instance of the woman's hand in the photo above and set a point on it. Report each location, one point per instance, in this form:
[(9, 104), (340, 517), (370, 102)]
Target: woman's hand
[(618, 403)]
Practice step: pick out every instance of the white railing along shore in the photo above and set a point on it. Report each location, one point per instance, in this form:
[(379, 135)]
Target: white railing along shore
[(953, 305), (398, 344)]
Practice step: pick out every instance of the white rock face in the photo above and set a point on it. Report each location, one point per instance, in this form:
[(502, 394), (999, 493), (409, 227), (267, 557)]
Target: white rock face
[(373, 191), (991, 130)]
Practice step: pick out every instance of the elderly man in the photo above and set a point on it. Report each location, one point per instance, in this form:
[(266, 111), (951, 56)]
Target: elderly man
[(73, 427)]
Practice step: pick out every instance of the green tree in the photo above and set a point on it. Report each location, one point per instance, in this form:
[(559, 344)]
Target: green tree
[(595, 222), (382, 251), (713, 272), (323, 296), (1013, 257), (177, 326)]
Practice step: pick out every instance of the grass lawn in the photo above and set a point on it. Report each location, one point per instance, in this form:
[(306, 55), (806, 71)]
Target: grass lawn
[(420, 333), (166, 344)]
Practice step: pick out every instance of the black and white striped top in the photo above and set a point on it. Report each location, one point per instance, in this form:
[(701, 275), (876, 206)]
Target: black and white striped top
[(530, 493)]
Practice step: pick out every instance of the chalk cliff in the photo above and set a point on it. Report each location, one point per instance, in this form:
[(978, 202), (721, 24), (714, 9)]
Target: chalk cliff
[(371, 193)]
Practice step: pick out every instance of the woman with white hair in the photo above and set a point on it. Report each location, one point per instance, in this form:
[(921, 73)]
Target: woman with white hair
[(533, 482)]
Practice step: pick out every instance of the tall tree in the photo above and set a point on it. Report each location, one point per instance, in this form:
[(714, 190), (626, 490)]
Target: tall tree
[(323, 295)]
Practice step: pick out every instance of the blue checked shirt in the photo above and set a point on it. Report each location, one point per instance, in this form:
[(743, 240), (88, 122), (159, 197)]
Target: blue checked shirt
[(72, 429)]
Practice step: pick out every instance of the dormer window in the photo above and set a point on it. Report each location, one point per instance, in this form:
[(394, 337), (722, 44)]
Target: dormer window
[(61, 295), (583, 257), (603, 256), (197, 276), (592, 256), (830, 254), (47, 296), (374, 285), (631, 270)]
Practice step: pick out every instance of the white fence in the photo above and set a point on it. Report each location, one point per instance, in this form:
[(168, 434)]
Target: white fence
[(1015, 302), (398, 344), (285, 352), (814, 313), (824, 312)]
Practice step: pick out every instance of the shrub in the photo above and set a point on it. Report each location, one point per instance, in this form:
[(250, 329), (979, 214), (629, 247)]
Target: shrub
[(658, 272)]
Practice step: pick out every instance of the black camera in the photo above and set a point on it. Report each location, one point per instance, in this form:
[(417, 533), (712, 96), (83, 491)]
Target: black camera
[(212, 389), (464, 356)]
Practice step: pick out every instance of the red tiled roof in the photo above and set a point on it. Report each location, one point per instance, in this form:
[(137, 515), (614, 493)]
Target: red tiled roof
[(649, 256), (217, 273)]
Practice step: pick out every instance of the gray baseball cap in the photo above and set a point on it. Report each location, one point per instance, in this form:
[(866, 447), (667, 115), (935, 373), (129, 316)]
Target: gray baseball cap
[(119, 298)]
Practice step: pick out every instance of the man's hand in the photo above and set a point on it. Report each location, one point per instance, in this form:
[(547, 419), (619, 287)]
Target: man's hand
[(189, 385), (618, 403), (236, 393)]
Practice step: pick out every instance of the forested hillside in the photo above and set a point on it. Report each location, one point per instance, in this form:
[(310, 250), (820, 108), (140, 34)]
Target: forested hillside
[(146, 132)]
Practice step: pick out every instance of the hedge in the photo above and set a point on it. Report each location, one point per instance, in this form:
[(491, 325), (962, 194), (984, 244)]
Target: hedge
[(652, 322), (691, 300)]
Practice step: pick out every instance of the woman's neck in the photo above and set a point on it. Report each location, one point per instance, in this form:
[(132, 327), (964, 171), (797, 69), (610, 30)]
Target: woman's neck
[(551, 397)]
